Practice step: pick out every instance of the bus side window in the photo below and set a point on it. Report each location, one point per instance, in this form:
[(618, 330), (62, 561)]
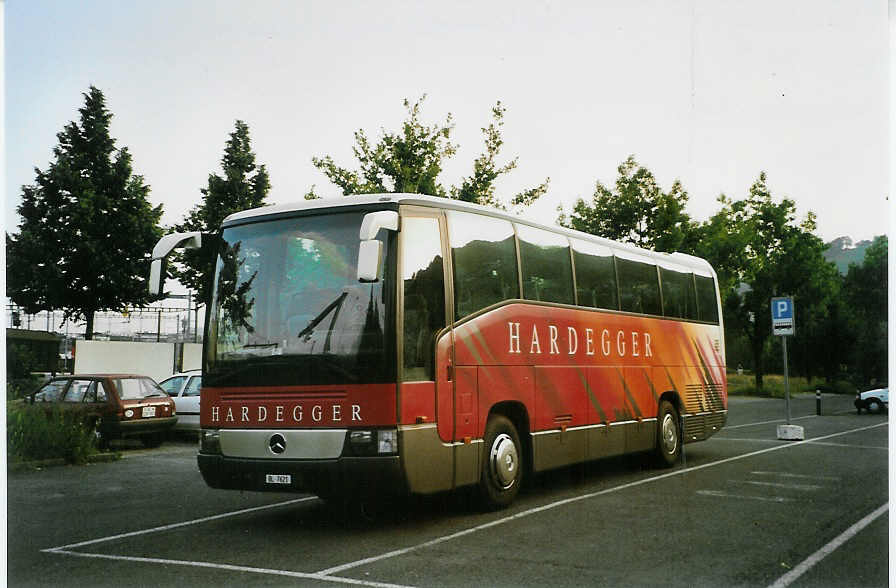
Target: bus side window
[(424, 294), (639, 288), (679, 296), (546, 266), (484, 251), (707, 308), (595, 275)]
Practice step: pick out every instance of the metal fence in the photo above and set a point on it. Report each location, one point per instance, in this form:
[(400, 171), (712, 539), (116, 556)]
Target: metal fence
[(175, 319)]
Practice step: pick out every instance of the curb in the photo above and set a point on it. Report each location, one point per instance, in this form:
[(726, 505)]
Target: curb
[(37, 465)]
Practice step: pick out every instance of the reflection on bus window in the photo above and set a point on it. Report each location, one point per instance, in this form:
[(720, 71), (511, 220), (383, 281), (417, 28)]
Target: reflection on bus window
[(545, 266), (484, 253), (424, 294), (639, 289), (707, 305), (288, 306), (595, 275), (679, 296)]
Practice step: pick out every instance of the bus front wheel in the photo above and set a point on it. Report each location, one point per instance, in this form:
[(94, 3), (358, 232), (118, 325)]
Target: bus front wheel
[(668, 443), (502, 464)]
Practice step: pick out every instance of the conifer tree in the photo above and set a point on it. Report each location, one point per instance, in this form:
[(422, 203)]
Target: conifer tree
[(244, 185), (87, 227)]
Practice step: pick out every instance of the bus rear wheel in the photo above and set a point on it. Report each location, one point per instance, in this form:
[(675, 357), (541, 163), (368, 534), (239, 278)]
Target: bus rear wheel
[(668, 442), (502, 464)]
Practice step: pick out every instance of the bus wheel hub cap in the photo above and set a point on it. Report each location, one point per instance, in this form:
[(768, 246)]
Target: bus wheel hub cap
[(669, 440), (504, 460)]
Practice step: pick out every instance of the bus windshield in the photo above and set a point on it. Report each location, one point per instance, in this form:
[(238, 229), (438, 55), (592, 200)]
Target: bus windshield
[(287, 307)]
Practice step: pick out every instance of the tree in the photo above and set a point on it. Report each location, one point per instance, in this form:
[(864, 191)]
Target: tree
[(479, 188), (636, 211), (410, 161), (865, 292), (244, 185), (759, 250), (87, 226)]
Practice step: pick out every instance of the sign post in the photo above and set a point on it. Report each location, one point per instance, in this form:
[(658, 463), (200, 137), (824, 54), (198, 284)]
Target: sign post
[(783, 326)]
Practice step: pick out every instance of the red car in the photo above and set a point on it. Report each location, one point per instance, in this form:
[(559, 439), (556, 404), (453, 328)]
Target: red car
[(115, 405)]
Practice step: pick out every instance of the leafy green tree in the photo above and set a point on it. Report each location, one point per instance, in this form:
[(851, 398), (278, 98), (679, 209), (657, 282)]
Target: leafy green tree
[(244, 185), (865, 292), (406, 161), (479, 188), (636, 211), (87, 226), (760, 251), (411, 160)]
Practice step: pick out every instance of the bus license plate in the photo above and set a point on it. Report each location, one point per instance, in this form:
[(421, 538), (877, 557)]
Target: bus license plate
[(149, 411), (278, 479)]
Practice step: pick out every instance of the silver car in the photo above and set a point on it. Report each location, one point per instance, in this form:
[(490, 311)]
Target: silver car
[(874, 401), (184, 389)]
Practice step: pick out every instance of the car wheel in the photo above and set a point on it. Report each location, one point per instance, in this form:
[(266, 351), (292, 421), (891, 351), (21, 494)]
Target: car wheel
[(874, 406), (502, 464), (153, 440), (668, 435)]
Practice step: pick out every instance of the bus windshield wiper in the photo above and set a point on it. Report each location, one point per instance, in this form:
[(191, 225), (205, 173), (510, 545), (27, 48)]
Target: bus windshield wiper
[(306, 332)]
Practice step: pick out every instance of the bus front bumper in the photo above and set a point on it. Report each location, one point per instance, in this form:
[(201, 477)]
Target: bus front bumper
[(324, 477)]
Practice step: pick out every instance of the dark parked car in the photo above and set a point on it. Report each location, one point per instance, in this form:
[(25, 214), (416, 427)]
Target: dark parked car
[(114, 405)]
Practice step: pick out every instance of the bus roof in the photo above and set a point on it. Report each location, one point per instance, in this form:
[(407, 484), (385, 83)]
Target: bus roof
[(669, 260)]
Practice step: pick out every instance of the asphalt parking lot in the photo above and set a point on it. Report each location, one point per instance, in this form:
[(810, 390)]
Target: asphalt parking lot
[(745, 509)]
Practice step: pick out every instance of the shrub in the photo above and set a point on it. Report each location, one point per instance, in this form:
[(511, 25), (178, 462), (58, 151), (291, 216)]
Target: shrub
[(20, 387), (773, 385), (35, 433)]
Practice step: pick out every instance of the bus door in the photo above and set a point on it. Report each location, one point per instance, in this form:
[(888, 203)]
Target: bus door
[(426, 348)]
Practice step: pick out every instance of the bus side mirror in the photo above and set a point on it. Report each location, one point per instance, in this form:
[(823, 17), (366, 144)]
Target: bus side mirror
[(370, 250), (370, 260), (166, 245), (156, 279)]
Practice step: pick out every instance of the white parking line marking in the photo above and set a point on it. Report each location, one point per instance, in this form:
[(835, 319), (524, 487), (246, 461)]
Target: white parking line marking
[(791, 576), (809, 416), (747, 440), (177, 525), (801, 487), (574, 499), (799, 476), (722, 494), (854, 446), (327, 574), (229, 567)]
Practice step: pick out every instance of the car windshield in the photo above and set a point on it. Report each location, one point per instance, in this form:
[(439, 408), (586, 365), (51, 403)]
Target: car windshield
[(173, 385), (287, 307), (137, 388), (51, 391)]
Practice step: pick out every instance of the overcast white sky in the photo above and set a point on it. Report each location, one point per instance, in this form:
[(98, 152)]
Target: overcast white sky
[(707, 91)]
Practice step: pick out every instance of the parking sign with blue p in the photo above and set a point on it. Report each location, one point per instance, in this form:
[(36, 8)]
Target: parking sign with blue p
[(782, 316)]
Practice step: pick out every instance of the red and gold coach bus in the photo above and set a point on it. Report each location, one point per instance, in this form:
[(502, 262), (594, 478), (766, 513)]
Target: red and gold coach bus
[(404, 343)]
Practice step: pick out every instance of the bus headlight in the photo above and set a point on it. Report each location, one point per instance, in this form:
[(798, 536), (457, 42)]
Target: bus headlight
[(210, 441), (373, 442), (387, 441)]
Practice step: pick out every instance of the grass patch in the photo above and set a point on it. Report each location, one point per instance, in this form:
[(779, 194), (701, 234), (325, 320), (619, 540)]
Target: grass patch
[(773, 385), (35, 433)]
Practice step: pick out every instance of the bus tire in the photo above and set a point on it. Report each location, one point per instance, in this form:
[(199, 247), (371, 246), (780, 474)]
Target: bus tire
[(668, 435), (502, 464)]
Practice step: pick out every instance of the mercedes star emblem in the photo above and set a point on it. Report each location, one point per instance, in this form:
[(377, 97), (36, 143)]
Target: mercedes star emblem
[(277, 443)]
